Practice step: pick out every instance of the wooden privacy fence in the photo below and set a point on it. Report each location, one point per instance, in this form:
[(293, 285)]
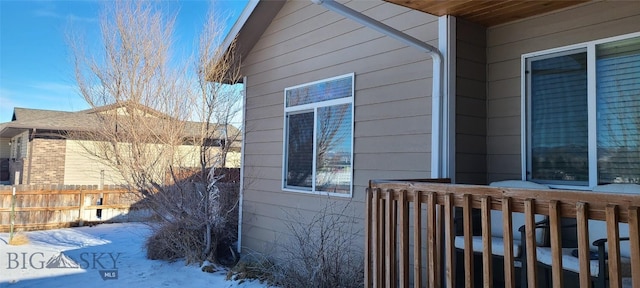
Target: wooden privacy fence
[(410, 232), (53, 207)]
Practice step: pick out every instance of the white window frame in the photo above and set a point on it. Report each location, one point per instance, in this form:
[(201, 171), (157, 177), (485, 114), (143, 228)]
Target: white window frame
[(590, 47), (313, 107)]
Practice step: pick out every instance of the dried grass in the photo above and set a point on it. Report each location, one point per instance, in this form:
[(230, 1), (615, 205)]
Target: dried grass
[(19, 239)]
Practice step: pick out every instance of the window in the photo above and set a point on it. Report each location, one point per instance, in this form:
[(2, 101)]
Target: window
[(318, 138), (19, 148), (582, 114)]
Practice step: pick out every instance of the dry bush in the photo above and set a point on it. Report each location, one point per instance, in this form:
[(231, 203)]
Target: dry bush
[(183, 236), (253, 266), (322, 252), (19, 239)]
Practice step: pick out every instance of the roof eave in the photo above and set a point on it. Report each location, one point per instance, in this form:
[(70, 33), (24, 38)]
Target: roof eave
[(253, 21)]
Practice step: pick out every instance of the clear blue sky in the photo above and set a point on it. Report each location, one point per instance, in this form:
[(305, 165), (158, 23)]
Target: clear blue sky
[(35, 67)]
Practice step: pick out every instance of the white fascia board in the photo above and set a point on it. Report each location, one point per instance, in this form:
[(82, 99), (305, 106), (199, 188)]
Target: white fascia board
[(237, 26)]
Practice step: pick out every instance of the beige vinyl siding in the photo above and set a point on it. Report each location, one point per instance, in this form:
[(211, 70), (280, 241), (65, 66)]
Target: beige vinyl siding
[(507, 43), (471, 142), (392, 105), (81, 169)]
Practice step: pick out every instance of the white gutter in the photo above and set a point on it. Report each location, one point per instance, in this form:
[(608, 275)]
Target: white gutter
[(242, 152), (438, 169)]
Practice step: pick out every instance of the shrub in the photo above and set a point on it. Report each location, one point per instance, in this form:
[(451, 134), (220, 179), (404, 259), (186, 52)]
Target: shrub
[(183, 236), (322, 252), (254, 266)]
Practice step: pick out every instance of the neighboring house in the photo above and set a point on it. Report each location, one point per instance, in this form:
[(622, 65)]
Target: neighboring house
[(43, 147), (540, 90)]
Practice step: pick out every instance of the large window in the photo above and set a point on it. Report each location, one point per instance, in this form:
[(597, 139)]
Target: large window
[(318, 136), (583, 113)]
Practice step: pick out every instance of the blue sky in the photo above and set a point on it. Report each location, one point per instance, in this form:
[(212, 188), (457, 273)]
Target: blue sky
[(35, 66)]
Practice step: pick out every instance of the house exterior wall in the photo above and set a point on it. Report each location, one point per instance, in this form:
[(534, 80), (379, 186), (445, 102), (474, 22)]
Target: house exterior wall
[(505, 46), (81, 169), (5, 153), (45, 166), (392, 106), (17, 157), (5, 148), (471, 107)]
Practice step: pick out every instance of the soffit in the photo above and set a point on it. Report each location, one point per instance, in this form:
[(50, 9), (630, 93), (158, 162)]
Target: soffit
[(487, 12)]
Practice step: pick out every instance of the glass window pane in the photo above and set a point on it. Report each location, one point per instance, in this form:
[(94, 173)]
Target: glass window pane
[(559, 130), (318, 92), (618, 106), (299, 170), (333, 161)]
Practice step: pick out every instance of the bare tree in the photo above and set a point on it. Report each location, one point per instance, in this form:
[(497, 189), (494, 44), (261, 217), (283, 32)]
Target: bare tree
[(160, 122)]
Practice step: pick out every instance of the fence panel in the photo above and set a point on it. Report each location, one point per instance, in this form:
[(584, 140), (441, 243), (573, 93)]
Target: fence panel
[(38, 207)]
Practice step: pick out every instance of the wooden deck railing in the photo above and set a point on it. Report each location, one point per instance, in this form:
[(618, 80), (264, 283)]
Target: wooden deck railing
[(410, 231)]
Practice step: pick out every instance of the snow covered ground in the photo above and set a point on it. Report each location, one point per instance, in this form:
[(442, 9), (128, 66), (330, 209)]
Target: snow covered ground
[(107, 255)]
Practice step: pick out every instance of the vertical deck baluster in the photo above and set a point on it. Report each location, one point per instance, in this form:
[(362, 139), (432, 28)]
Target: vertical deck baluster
[(376, 240), (634, 242), (394, 242), (367, 239), (390, 226), (509, 258), (467, 221), (448, 239), (532, 271), (417, 239), (613, 236), (440, 278), (433, 265), (556, 243), (382, 252), (582, 219), (403, 211), (487, 253)]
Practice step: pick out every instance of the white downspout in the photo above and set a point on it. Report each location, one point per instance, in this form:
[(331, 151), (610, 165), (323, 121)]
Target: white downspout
[(242, 152), (437, 164)]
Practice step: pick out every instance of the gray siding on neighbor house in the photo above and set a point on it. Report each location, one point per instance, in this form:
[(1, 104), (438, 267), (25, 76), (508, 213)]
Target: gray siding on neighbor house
[(392, 135), (18, 164), (5, 148), (505, 46), (471, 99)]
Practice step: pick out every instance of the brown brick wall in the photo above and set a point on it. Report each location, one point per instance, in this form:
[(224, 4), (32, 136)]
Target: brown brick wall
[(47, 163)]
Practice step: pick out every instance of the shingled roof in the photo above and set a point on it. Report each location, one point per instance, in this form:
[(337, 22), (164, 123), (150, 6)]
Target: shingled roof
[(26, 119)]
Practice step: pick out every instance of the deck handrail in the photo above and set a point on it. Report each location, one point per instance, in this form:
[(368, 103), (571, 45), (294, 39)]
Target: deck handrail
[(395, 223)]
